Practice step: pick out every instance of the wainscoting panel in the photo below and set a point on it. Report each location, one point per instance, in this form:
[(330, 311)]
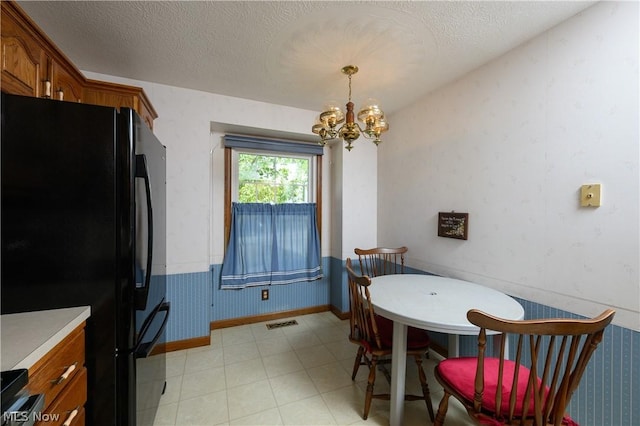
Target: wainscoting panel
[(339, 285), (226, 304), (190, 296)]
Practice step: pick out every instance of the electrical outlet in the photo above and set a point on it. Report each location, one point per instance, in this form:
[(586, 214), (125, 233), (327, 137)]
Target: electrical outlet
[(265, 294), (590, 195)]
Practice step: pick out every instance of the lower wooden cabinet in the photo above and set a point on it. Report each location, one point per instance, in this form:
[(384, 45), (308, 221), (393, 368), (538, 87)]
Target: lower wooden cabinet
[(62, 377), (68, 408)]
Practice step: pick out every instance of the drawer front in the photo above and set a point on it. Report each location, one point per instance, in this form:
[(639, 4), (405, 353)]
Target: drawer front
[(59, 367), (68, 408)]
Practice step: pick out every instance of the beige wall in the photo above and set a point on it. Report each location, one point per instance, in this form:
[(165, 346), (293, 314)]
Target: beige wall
[(511, 143)]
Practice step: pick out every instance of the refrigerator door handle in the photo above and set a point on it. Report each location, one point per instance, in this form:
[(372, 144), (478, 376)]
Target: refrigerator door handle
[(143, 349), (142, 293)]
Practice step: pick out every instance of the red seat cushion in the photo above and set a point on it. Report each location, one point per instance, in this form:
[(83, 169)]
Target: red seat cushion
[(460, 373), (416, 338)]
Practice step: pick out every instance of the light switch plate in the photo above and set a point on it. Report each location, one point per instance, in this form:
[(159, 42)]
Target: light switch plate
[(590, 195)]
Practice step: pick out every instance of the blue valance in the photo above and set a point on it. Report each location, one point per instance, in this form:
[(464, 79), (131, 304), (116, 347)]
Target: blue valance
[(276, 145)]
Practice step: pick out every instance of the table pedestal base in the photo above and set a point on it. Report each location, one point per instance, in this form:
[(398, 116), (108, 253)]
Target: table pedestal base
[(398, 371)]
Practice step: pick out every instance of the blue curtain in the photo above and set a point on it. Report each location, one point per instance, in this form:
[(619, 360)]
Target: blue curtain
[(271, 244)]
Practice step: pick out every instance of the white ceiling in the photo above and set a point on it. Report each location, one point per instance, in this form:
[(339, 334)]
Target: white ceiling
[(291, 52)]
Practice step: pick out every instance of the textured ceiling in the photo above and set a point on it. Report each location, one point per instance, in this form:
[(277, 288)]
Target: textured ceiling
[(291, 52)]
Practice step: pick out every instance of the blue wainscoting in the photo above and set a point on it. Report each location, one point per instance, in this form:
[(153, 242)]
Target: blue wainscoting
[(227, 304), (190, 296), (607, 396), (197, 300), (339, 285)]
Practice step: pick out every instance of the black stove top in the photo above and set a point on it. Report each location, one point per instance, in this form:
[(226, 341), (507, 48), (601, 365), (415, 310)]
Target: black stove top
[(12, 382)]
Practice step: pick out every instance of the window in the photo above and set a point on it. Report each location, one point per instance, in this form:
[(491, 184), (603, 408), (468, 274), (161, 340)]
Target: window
[(272, 205), (262, 147), (272, 177)]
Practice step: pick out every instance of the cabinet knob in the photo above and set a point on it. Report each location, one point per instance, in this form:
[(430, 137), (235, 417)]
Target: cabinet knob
[(47, 89), (72, 416), (66, 374)]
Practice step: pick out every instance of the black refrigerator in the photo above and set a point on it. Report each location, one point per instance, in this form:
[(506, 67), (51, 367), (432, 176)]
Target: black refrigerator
[(83, 205)]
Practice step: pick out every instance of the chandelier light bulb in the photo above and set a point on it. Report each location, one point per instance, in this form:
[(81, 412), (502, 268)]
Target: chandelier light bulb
[(381, 126)]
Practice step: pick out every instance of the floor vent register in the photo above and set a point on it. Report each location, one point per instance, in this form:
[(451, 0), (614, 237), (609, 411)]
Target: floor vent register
[(281, 324)]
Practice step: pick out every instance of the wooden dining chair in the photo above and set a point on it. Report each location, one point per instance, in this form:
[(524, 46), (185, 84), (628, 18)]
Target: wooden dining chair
[(381, 260), (373, 335), (373, 263), (535, 389)]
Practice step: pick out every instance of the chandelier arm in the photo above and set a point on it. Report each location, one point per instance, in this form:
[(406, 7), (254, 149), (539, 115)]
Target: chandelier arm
[(355, 123), (359, 127)]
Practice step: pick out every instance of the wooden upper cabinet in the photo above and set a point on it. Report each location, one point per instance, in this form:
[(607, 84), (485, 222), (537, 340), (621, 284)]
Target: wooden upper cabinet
[(32, 65), (65, 86), (120, 95), (24, 61)]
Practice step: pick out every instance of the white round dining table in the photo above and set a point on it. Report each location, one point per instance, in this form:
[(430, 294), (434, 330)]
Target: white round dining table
[(432, 303)]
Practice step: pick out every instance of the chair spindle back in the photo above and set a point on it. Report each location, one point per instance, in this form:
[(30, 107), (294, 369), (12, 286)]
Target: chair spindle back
[(556, 352), (362, 319), (381, 261)]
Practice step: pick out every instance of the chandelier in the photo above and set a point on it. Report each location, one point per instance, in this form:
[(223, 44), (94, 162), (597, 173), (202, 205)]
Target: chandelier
[(370, 115)]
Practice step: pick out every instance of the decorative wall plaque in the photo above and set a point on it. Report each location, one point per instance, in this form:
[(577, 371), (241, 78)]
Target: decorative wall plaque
[(453, 225)]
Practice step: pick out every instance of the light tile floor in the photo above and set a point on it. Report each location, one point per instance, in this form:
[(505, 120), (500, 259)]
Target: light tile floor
[(294, 375)]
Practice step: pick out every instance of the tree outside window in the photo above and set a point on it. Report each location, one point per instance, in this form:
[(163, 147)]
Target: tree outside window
[(272, 179)]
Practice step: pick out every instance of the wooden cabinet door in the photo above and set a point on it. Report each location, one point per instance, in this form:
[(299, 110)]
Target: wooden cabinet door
[(120, 95), (64, 86), (24, 62)]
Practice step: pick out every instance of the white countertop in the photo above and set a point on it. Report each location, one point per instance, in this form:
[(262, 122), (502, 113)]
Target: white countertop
[(28, 336)]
